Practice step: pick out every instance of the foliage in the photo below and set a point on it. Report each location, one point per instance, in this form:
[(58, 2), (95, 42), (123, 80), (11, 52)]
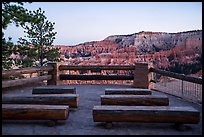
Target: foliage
[(40, 37), (7, 50), (184, 68), (12, 13), (36, 47)]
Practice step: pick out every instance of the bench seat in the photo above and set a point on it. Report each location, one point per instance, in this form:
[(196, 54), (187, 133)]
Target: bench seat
[(53, 90), (128, 91), (158, 114), (34, 112), (135, 100), (72, 100)]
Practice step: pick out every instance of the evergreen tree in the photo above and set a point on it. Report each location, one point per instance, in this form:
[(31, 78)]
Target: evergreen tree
[(39, 33), (12, 13), (39, 39)]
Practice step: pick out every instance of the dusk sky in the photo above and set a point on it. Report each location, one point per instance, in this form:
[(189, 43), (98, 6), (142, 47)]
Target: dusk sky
[(78, 22)]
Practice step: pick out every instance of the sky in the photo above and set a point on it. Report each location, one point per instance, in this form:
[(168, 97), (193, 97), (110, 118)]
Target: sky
[(78, 22)]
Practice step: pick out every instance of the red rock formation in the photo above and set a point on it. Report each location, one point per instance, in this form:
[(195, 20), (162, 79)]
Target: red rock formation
[(163, 49)]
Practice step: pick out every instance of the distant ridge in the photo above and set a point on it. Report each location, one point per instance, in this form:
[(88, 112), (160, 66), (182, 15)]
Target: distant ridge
[(134, 34)]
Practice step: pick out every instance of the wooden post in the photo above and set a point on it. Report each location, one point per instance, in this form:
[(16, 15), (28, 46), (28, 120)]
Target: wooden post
[(55, 74), (142, 76)]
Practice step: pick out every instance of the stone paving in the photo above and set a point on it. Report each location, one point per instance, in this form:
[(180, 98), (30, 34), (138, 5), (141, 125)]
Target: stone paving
[(80, 121)]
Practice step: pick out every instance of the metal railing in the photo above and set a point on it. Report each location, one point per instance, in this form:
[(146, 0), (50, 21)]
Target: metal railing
[(180, 85)]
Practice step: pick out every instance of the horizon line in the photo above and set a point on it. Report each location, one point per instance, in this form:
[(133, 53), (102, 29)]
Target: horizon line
[(130, 34)]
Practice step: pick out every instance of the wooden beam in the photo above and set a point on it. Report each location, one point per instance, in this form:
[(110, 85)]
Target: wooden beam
[(95, 77), (85, 67), (17, 82), (16, 72), (135, 100), (128, 91), (158, 114), (176, 75), (53, 90), (34, 112), (72, 100)]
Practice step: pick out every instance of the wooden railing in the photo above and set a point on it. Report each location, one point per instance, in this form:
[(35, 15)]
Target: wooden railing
[(95, 68), (16, 72), (95, 77), (140, 70), (56, 74), (142, 76), (23, 81)]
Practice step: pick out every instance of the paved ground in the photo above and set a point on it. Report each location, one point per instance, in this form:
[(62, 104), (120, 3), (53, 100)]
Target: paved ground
[(80, 121)]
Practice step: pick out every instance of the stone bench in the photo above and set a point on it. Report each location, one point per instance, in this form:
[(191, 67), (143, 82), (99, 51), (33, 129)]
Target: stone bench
[(72, 100), (135, 100), (127, 91), (35, 112), (155, 114), (53, 90)]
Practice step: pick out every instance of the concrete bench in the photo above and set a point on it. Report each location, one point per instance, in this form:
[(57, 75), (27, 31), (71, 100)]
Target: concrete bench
[(35, 112), (135, 100), (155, 114), (127, 91), (72, 100), (53, 90)]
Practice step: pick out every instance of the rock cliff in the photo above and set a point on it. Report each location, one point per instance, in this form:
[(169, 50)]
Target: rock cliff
[(179, 52)]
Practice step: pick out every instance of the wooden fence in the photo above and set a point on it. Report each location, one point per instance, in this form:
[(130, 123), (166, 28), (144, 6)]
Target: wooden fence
[(143, 76), (59, 73), (56, 74), (23, 81)]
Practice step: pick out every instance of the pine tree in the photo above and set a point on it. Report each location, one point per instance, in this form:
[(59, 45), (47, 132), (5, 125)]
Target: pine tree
[(39, 32), (12, 13), (39, 39)]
